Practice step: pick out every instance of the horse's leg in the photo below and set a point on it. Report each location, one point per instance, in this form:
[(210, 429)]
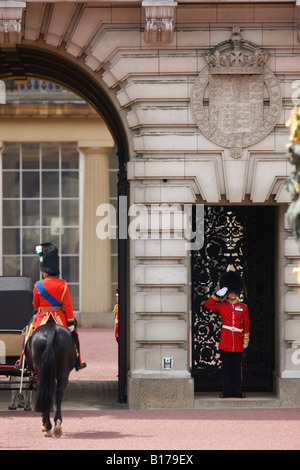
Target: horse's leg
[(43, 428), (47, 426), (27, 406), (58, 417), (21, 400), (61, 384), (12, 405)]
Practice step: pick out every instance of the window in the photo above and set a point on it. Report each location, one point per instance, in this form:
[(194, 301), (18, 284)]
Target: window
[(41, 203)]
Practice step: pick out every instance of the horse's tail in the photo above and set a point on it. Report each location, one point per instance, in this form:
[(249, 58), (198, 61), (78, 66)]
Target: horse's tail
[(46, 376)]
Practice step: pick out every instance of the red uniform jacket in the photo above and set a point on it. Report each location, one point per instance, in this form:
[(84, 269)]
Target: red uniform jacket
[(51, 296), (116, 316), (234, 316)]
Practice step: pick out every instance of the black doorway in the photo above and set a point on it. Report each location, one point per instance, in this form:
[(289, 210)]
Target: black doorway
[(242, 237)]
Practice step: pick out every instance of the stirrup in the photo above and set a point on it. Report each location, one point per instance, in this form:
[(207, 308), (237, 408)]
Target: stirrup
[(18, 367)]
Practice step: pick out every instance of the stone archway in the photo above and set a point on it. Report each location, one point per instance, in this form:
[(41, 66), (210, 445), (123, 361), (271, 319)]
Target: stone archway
[(23, 62)]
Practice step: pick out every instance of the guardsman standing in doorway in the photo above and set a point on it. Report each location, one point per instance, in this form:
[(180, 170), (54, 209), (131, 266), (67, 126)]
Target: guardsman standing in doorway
[(235, 330), (116, 316)]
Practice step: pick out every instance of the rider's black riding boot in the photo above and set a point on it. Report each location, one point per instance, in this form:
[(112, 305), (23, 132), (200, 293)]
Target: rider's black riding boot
[(78, 364)]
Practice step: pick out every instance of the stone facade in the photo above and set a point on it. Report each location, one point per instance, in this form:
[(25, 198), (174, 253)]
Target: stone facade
[(151, 59)]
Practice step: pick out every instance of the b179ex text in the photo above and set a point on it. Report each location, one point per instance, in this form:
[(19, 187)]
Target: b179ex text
[(150, 459)]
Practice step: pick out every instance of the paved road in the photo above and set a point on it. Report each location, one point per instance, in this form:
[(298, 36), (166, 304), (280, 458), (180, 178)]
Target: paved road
[(93, 424), (156, 430)]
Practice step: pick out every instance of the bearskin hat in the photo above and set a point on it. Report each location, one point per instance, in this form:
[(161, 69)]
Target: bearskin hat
[(233, 281), (49, 259)]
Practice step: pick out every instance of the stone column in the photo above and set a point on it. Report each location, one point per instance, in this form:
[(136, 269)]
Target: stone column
[(96, 253), (288, 380), (159, 311)]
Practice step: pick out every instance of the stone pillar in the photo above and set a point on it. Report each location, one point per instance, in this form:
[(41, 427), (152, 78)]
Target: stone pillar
[(96, 253), (159, 312)]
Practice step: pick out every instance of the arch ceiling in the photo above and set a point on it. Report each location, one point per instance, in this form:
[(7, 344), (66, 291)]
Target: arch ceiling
[(22, 62)]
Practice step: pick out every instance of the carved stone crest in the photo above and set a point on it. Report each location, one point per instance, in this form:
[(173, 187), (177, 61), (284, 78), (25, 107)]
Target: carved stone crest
[(233, 84)]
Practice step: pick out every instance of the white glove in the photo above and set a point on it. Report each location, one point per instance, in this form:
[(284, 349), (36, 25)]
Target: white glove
[(71, 328), (245, 346), (222, 292)]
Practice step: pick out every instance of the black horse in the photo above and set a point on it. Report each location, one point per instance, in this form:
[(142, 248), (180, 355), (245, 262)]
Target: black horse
[(50, 354)]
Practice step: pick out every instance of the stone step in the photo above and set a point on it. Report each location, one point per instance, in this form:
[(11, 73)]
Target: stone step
[(104, 394), (101, 394), (254, 400)]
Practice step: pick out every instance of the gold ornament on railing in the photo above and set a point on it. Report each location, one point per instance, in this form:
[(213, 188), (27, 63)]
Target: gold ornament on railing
[(292, 183), (294, 125)]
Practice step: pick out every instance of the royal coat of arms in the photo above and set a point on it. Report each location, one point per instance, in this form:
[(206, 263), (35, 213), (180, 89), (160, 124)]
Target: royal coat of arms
[(242, 93)]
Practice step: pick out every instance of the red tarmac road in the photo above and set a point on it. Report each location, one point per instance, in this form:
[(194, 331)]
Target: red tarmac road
[(156, 430), (122, 429)]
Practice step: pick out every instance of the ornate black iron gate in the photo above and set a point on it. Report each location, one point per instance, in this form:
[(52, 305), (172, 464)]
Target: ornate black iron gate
[(243, 237)]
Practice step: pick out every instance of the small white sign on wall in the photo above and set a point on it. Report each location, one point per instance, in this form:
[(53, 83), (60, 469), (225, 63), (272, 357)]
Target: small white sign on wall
[(167, 362), (2, 352)]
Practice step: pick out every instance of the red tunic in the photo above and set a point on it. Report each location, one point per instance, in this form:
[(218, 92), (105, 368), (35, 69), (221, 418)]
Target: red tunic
[(234, 316), (58, 289), (116, 316)]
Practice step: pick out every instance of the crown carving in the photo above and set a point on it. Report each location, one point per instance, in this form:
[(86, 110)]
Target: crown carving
[(236, 56), (11, 21)]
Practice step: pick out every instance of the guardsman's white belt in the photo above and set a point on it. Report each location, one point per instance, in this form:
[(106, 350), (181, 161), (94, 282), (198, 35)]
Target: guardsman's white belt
[(232, 328)]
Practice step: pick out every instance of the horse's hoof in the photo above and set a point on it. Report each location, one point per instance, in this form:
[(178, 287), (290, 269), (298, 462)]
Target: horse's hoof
[(58, 429), (48, 433)]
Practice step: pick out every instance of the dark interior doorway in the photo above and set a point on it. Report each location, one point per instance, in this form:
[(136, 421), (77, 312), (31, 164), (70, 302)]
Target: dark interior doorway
[(242, 237)]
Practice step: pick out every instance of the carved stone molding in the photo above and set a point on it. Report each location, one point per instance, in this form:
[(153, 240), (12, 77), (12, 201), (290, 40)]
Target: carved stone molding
[(298, 8), (235, 77), (159, 16), (11, 14)]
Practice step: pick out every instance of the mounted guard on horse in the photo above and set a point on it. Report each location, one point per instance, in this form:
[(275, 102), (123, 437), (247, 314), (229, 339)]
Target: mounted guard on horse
[(52, 300)]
